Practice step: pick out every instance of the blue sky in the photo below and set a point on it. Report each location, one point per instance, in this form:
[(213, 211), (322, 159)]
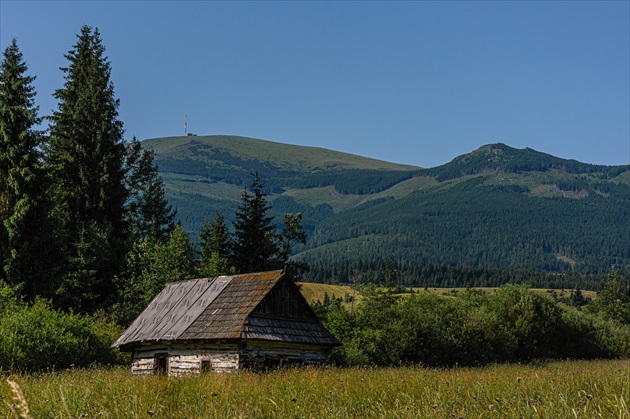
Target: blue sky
[(410, 82)]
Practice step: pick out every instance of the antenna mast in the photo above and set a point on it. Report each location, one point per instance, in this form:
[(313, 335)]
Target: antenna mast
[(185, 125)]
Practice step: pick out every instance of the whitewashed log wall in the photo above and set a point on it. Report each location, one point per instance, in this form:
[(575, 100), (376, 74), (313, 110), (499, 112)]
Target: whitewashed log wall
[(187, 359)]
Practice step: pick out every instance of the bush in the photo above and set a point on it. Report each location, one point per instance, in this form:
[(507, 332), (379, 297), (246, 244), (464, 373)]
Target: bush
[(36, 337), (513, 324)]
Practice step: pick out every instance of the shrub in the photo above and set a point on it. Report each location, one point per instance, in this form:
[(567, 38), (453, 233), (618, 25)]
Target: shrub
[(36, 337), (513, 324)]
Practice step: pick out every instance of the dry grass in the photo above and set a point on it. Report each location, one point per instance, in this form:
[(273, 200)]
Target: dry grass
[(558, 390), (313, 291)]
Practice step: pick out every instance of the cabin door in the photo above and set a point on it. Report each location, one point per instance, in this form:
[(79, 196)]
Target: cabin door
[(161, 363)]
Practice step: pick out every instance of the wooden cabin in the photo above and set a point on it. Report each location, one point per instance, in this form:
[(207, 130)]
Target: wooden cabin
[(226, 323)]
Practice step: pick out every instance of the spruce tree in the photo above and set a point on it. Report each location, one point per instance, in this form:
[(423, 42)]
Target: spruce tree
[(149, 212), (21, 184), (86, 164), (215, 244), (255, 238)]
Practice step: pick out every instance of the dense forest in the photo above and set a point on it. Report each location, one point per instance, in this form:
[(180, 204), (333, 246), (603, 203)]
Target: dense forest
[(475, 224)]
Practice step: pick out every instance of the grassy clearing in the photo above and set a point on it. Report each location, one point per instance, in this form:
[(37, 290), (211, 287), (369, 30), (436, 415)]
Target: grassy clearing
[(558, 390), (313, 291)]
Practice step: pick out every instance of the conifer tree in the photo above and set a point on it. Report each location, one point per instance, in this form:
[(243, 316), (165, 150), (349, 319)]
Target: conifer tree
[(291, 235), (21, 185), (215, 243), (86, 164), (255, 238), (149, 212)]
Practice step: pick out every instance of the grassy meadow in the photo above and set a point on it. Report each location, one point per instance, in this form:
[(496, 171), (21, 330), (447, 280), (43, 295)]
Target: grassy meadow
[(314, 292), (571, 389)]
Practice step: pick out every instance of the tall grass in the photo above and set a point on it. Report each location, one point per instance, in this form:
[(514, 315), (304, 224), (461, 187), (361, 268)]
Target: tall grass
[(579, 389)]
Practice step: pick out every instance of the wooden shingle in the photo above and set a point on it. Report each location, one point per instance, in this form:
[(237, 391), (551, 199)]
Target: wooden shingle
[(259, 306)]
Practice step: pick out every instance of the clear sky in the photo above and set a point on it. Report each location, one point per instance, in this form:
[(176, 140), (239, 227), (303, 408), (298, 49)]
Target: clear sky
[(409, 82)]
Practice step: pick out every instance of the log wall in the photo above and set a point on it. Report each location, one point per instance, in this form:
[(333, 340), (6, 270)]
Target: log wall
[(193, 359)]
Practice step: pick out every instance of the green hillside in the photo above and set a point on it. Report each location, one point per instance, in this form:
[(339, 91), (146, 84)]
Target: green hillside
[(497, 207), (231, 151)]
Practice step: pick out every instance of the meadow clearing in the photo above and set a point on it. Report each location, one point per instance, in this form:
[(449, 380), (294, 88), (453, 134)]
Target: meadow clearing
[(567, 389)]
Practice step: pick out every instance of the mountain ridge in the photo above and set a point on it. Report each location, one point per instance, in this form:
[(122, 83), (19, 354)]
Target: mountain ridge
[(252, 148), (497, 207)]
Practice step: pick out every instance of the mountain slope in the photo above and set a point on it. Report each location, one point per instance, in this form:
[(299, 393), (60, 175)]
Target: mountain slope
[(495, 207), (225, 151)]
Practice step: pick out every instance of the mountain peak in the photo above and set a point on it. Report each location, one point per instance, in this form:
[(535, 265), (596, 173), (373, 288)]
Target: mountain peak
[(499, 157)]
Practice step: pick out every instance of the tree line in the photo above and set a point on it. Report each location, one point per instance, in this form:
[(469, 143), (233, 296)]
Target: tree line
[(76, 196), (428, 275)]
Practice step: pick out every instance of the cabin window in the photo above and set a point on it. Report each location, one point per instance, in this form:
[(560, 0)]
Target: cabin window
[(161, 363), (206, 365)]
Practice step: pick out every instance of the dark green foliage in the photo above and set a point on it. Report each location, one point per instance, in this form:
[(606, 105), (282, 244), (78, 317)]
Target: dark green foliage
[(23, 235), (355, 182), (472, 328), (577, 299), (215, 238), (431, 275), (613, 300), (215, 243), (36, 337), (255, 243), (85, 162), (533, 319), (476, 224), (83, 285), (150, 265), (149, 212)]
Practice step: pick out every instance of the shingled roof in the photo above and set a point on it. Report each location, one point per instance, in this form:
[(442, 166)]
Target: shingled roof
[(264, 306)]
